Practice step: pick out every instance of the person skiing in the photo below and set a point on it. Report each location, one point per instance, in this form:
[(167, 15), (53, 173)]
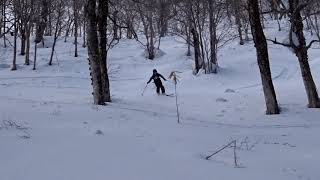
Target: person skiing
[(157, 81)]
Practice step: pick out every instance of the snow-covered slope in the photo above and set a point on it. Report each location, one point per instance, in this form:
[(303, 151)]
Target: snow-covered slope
[(50, 130)]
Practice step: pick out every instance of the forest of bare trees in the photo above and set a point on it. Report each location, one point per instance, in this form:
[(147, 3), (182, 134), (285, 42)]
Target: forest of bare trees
[(205, 25)]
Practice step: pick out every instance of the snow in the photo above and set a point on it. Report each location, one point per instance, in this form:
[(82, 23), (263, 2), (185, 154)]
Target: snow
[(50, 129)]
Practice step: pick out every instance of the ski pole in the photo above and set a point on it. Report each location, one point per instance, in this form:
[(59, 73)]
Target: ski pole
[(144, 89)]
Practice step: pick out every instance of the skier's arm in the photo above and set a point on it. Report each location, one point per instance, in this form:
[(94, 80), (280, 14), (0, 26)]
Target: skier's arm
[(162, 77), (150, 79)]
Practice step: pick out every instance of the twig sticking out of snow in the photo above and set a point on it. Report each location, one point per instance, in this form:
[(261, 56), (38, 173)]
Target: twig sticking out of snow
[(232, 144), (175, 78)]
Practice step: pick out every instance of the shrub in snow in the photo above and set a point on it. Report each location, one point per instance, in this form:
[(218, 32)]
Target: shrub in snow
[(229, 91), (99, 132), (221, 100)]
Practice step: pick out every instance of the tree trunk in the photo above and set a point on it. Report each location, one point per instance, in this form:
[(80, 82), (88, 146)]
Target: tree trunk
[(301, 52), (309, 84), (236, 8), (1, 16), (75, 10), (212, 65), (27, 57), (49, 24), (129, 29), (262, 58), (84, 35), (102, 25), (93, 52), (163, 24), (152, 34), (261, 15), (189, 26), (115, 28), (188, 41), (35, 56), (317, 26), (4, 23), (246, 31), (69, 22), (14, 65), (196, 50), (56, 33), (42, 22), (23, 40)]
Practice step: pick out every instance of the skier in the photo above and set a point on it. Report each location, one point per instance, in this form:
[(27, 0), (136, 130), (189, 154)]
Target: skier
[(157, 81)]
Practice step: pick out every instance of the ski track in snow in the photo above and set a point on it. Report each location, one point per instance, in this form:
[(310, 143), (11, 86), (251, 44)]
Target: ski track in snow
[(184, 120)]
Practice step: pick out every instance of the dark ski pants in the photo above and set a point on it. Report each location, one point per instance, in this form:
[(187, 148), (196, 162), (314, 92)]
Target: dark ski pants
[(160, 86)]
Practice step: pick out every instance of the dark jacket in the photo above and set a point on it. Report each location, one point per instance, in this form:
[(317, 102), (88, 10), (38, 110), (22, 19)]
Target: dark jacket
[(156, 78)]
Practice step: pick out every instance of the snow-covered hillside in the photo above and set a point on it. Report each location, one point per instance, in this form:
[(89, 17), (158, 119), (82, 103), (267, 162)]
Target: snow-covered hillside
[(49, 129)]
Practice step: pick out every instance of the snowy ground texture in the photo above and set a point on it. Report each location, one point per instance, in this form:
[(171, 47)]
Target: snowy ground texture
[(49, 129)]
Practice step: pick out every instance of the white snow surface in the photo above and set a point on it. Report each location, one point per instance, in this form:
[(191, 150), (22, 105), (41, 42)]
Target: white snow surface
[(49, 129)]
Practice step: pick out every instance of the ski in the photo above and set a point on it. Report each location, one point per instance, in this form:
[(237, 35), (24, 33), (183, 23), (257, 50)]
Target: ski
[(169, 95)]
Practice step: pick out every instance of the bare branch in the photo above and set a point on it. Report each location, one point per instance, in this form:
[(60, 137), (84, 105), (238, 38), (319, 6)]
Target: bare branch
[(276, 42), (311, 43)]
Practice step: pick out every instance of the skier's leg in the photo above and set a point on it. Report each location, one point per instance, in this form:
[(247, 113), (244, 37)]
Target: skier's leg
[(158, 89), (163, 89)]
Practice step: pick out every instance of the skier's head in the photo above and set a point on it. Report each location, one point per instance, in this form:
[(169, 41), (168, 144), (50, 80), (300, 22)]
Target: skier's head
[(154, 71)]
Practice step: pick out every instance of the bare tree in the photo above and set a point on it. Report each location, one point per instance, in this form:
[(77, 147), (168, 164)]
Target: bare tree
[(1, 15), (147, 16), (58, 9), (68, 24), (96, 37), (298, 43), (93, 52), (262, 57), (3, 12), (14, 65), (41, 24), (76, 27), (102, 31)]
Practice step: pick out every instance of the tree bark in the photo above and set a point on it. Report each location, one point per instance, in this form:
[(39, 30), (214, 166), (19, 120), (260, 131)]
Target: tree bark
[(212, 65), (93, 52), (102, 25), (130, 27), (84, 35), (42, 21), (59, 13), (23, 39), (1, 16), (196, 50), (14, 65), (163, 24), (115, 28), (152, 36), (188, 33), (4, 23), (35, 56), (262, 58), (27, 57), (75, 12), (236, 8)]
